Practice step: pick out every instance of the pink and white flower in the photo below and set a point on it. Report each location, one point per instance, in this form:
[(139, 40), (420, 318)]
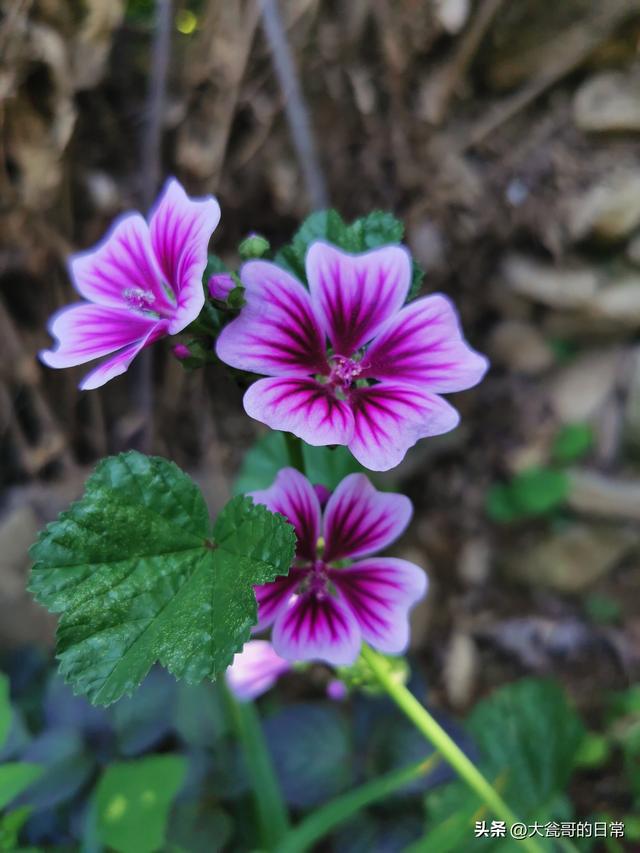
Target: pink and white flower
[(376, 385), (324, 609), (144, 281), (255, 669)]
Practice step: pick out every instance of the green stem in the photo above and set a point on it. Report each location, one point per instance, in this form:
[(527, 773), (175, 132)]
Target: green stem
[(273, 819), (436, 735), (294, 449), (323, 820)]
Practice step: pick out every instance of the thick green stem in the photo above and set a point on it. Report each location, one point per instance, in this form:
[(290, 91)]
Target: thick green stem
[(273, 819), (294, 449), (434, 733), (325, 819)]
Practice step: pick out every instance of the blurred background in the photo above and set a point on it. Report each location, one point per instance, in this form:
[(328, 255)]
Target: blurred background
[(506, 135)]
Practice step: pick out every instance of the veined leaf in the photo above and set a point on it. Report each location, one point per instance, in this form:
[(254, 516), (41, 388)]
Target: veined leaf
[(140, 575)]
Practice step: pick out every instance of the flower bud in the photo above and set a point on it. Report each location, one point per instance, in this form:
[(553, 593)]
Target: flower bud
[(220, 286), (180, 351), (253, 246)]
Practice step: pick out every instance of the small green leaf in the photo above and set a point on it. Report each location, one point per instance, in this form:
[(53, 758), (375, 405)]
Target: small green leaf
[(594, 751), (536, 491), (323, 465), (572, 442), (140, 575), (16, 778), (133, 799), (378, 228), (10, 826)]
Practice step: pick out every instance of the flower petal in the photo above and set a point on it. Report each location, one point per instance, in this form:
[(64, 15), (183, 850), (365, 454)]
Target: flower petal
[(302, 406), (423, 345), (380, 591), (122, 271), (119, 363), (317, 627), (181, 228), (293, 496), (390, 417), (276, 333), (272, 597), (353, 296), (360, 520), (86, 331), (255, 670)]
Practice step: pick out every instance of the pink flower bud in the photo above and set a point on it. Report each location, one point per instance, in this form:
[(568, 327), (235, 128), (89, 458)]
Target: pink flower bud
[(220, 286), (180, 351)]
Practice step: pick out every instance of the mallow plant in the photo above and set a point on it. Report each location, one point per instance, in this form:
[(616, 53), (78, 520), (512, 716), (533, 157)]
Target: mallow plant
[(334, 347)]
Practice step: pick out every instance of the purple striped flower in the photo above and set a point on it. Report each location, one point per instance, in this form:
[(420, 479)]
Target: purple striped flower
[(144, 281), (324, 610), (375, 386)]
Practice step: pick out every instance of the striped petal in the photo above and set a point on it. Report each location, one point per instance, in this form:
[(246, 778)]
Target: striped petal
[(353, 296), (360, 520), (181, 228), (122, 271), (389, 418), (423, 345), (302, 406), (317, 626), (293, 496), (380, 592), (84, 332), (276, 332)]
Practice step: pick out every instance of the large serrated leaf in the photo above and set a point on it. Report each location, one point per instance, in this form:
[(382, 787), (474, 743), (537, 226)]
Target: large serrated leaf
[(139, 575)]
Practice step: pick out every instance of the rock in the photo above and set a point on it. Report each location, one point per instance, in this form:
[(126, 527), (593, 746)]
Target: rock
[(609, 210), (460, 669), (474, 562), (573, 559), (579, 390), (595, 493), (452, 14), (544, 283), (608, 102), (619, 301), (520, 347)]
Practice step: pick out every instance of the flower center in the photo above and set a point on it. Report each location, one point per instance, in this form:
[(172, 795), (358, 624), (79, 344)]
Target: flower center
[(316, 579), (344, 371), (139, 299)]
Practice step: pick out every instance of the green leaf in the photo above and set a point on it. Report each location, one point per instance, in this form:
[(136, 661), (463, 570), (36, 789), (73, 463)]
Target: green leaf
[(199, 828), (308, 774), (16, 778), (572, 442), (10, 826), (378, 228), (323, 465), (133, 799), (529, 739), (534, 492), (5, 709), (140, 575)]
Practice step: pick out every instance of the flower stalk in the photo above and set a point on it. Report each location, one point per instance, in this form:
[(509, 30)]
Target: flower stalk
[(436, 735), (325, 819), (273, 818)]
